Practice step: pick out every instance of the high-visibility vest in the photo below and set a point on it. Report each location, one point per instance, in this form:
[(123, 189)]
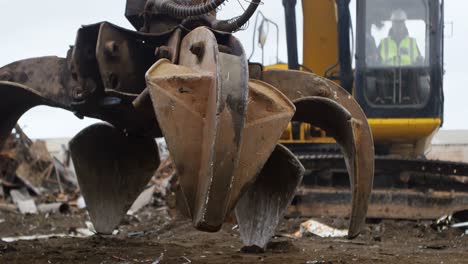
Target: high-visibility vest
[(404, 54)]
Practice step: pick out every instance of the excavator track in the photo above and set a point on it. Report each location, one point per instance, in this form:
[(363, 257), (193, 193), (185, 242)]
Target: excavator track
[(404, 188), (437, 167)]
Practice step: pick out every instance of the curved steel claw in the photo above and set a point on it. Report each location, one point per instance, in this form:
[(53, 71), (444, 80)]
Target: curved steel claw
[(206, 99), (16, 100), (49, 77), (29, 83), (112, 170), (325, 104), (261, 208)]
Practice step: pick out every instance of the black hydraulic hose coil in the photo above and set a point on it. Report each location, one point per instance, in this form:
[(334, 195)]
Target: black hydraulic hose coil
[(171, 8), (235, 24)]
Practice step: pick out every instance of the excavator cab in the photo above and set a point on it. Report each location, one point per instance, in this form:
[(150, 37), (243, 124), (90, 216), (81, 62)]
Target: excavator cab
[(399, 58), (397, 74)]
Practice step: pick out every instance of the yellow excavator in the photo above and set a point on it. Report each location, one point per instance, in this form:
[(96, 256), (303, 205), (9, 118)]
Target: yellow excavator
[(397, 80)]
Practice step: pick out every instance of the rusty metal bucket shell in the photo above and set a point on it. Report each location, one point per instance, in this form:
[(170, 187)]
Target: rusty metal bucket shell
[(261, 208), (112, 170), (191, 123), (207, 95), (219, 133), (212, 147), (268, 114)]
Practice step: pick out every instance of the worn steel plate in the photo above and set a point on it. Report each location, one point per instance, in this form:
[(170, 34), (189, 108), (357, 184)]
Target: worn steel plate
[(112, 170)]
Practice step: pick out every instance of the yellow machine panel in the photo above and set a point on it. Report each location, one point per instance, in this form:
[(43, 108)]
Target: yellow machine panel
[(402, 129), (320, 35), (384, 130)]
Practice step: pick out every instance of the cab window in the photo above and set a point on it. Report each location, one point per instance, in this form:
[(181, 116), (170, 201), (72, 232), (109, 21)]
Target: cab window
[(397, 52)]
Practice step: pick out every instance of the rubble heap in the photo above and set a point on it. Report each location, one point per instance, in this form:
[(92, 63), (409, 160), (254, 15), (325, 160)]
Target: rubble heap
[(30, 175)]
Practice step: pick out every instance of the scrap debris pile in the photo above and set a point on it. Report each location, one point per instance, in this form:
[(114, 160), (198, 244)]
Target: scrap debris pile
[(33, 181)]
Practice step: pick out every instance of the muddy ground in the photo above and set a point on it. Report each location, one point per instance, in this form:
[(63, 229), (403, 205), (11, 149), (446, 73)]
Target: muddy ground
[(152, 236)]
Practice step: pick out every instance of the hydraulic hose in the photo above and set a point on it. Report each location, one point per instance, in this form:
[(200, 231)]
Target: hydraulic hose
[(235, 24), (171, 8)]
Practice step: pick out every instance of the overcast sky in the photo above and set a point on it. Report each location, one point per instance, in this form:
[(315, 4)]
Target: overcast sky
[(48, 27)]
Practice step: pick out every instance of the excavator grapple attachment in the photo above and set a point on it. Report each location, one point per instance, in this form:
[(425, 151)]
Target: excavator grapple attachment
[(190, 84), (261, 208), (328, 106), (228, 130), (112, 169)]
